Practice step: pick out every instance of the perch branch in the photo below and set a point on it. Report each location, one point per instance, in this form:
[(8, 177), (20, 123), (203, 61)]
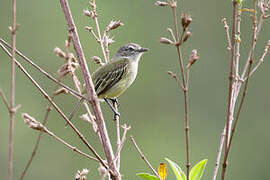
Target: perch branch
[(90, 90)]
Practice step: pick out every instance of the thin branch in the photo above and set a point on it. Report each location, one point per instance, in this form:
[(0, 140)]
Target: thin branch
[(143, 157), (266, 50), (100, 40), (57, 108), (90, 90), (230, 90), (226, 27), (176, 79), (238, 33), (36, 145), (71, 147), (239, 110), (43, 71), (179, 41), (121, 144), (118, 136), (48, 110), (171, 33), (90, 29), (32, 123), (4, 99), (219, 153), (45, 120), (257, 30), (12, 91)]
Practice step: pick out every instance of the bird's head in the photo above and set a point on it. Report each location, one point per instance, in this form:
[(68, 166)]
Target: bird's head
[(130, 51)]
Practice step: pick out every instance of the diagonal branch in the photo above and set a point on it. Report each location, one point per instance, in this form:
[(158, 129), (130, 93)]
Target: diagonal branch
[(143, 157), (4, 99), (57, 108), (90, 89), (43, 71)]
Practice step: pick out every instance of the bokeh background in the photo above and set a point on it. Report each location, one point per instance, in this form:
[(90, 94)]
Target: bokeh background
[(153, 106)]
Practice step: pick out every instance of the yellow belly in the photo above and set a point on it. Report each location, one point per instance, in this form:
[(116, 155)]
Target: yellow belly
[(121, 86)]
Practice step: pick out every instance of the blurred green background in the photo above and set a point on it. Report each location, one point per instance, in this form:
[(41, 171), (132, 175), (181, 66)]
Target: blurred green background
[(153, 106)]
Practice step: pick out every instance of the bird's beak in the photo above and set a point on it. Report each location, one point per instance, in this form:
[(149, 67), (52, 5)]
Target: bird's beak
[(143, 50)]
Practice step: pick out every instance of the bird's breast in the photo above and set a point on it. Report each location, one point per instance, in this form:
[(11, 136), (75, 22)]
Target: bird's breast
[(132, 73)]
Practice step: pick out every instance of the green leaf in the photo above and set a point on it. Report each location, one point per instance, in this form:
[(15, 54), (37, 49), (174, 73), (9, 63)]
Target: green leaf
[(147, 176), (197, 171), (180, 175)]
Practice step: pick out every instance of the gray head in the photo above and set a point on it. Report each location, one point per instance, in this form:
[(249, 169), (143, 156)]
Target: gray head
[(131, 51)]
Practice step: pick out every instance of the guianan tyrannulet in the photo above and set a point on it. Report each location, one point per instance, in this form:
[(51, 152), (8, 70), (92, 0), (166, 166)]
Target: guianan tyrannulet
[(114, 77)]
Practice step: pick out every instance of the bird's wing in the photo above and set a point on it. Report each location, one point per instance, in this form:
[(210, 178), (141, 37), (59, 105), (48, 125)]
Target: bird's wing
[(108, 75)]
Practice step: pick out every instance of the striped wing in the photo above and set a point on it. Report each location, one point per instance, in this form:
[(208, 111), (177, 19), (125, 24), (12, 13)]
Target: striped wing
[(108, 75)]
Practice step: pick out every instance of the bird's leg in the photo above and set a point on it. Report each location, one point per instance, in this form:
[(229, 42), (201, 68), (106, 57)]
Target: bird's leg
[(74, 110), (111, 106), (115, 104), (115, 100)]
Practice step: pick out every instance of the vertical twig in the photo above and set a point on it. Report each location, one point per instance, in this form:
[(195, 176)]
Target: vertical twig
[(230, 90), (237, 88), (12, 91), (219, 153), (101, 40), (239, 109), (238, 33), (37, 144), (254, 41), (90, 90), (185, 88), (121, 144), (118, 135)]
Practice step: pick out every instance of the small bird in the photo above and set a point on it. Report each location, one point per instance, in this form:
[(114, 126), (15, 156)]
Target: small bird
[(114, 77)]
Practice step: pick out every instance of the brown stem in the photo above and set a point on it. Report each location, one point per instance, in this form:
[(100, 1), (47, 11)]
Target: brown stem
[(121, 144), (36, 145), (232, 64), (185, 88), (90, 90), (239, 110), (251, 56), (100, 40), (254, 41), (143, 157), (238, 33), (266, 50), (118, 135), (219, 153), (12, 92), (226, 27)]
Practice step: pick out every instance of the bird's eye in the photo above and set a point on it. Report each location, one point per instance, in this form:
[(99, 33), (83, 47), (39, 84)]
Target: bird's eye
[(130, 48)]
